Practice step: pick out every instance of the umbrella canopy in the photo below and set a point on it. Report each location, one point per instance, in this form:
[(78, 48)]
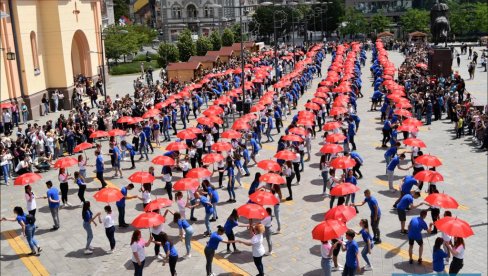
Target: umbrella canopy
[(292, 137), (27, 178), (83, 146), (409, 128), (403, 112), (186, 184), (342, 213), (6, 105), (454, 227), (272, 178), (269, 165), (65, 162), (117, 132), (328, 230), (313, 106), (287, 155), (331, 148), (298, 131), (252, 211), (335, 138), (264, 198), (331, 126), (195, 130), (429, 176), (428, 160), (158, 204), (343, 189), (414, 142), (99, 134), (240, 125), (205, 121), (231, 134), (213, 110), (257, 108), (147, 220), (338, 111), (186, 135), (442, 201), (176, 146), (221, 146), (163, 161), (151, 113), (108, 195), (124, 119), (342, 162), (141, 177), (198, 173), (212, 158), (413, 122)]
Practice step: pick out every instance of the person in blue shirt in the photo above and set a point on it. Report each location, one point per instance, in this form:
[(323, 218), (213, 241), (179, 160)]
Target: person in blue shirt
[(351, 179), (170, 250), (211, 247), (174, 116), (351, 132), (247, 158), (405, 204), (359, 162), (255, 149), (121, 205), (88, 219), (27, 223), (277, 117), (143, 144), (375, 214), (183, 225), (352, 254), (147, 130), (415, 228), (100, 168), (205, 202), (368, 243), (390, 170), (428, 112), (232, 222), (391, 152), (406, 187), (438, 256), (269, 127), (52, 196), (214, 197), (387, 126), (231, 181), (117, 155), (132, 152)]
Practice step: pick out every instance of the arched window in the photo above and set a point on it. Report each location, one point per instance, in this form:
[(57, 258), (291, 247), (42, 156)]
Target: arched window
[(35, 56), (208, 12), (192, 11)]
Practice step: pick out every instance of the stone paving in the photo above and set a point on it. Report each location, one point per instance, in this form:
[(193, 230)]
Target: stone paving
[(464, 169)]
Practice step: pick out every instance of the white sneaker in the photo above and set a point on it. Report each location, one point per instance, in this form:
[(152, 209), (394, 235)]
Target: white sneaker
[(160, 257), (368, 268), (110, 251), (88, 252), (187, 256), (91, 247), (68, 204)]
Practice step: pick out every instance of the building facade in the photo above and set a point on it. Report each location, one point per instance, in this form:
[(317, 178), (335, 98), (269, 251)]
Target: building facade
[(45, 45), (390, 8)]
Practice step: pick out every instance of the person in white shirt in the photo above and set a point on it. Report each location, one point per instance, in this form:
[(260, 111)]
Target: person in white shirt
[(137, 245), (267, 229), (30, 199), (257, 246), (108, 223), (326, 250), (146, 194), (155, 231)]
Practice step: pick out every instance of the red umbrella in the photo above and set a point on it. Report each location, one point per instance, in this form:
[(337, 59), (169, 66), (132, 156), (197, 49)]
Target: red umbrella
[(264, 198), (342, 162), (186, 134), (403, 105), (141, 177), (198, 173), (257, 108), (342, 89), (343, 189), (442, 201), (331, 148), (176, 146), (321, 94), (99, 134), (454, 227), (158, 204), (6, 105), (83, 146), (108, 195), (269, 165), (323, 89), (216, 119), (221, 146), (272, 178), (240, 125), (414, 142), (287, 155), (163, 161), (151, 113), (313, 106), (65, 162), (212, 158), (337, 111), (428, 160), (252, 211), (409, 128), (195, 130), (124, 119), (27, 178), (186, 184), (421, 66), (429, 176), (331, 126), (305, 122), (147, 220), (335, 138), (403, 112), (117, 132), (413, 122), (135, 120), (341, 213), (213, 110), (205, 121), (298, 131), (292, 137), (231, 134), (328, 230), (305, 114)]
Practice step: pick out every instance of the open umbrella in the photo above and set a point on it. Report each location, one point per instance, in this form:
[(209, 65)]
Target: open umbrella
[(221, 146), (263, 198), (335, 138), (454, 227), (413, 122), (428, 160), (337, 111), (83, 146), (158, 204), (216, 119), (257, 108), (231, 134), (186, 135), (186, 184), (27, 178), (151, 113), (117, 132), (313, 106), (198, 173), (99, 134), (213, 111), (328, 230), (403, 112), (176, 146), (240, 125), (124, 119), (146, 220), (414, 142), (343, 189), (195, 130), (163, 160), (65, 162), (272, 178), (141, 177), (252, 211), (6, 105), (135, 120), (292, 137), (108, 195), (287, 155), (342, 213), (343, 162), (429, 176), (205, 121), (331, 126), (298, 131), (331, 148), (269, 165), (212, 158), (442, 201), (409, 128)]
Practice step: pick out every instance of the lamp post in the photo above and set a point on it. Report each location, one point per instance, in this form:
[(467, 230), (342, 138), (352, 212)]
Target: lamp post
[(293, 5)]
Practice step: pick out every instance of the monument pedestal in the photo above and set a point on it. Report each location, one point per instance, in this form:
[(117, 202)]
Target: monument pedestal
[(440, 61)]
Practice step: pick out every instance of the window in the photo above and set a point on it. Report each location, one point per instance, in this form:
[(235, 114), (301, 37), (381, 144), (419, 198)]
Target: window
[(192, 11), (208, 12), (176, 12), (35, 56)]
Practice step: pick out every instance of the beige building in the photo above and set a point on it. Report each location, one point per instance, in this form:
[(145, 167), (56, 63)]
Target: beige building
[(44, 44)]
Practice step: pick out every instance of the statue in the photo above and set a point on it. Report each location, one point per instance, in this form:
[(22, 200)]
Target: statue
[(439, 23)]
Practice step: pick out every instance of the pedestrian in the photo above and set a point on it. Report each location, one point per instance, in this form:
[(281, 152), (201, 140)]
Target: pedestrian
[(82, 165), (108, 223), (267, 229), (390, 170), (232, 222), (258, 250), (205, 202), (289, 175), (27, 223), (211, 247), (52, 197), (80, 181), (368, 243), (5, 163), (447, 239), (117, 156), (326, 249), (406, 203), (170, 251), (45, 102), (137, 245), (63, 177), (214, 197), (296, 167), (375, 214), (415, 228), (100, 168), (324, 168), (457, 251), (438, 256), (88, 219), (183, 225), (231, 181), (121, 205), (30, 199), (352, 254), (145, 194)]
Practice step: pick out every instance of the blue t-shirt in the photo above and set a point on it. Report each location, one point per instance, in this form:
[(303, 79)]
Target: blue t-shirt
[(21, 218), (183, 224), (387, 125), (213, 242), (393, 163), (121, 202), (208, 206), (392, 151), (229, 225), (118, 153), (405, 202), (366, 236), (80, 182), (53, 194), (167, 246), (215, 195), (130, 148), (408, 184), (438, 260), (99, 163), (352, 250), (371, 203), (415, 228), (87, 216)]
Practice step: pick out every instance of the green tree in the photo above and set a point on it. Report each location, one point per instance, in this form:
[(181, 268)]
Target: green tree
[(186, 46), (203, 45), (415, 20), (379, 23), (236, 30), (216, 41), (227, 37), (167, 53), (119, 42), (481, 17), (121, 8), (354, 22)]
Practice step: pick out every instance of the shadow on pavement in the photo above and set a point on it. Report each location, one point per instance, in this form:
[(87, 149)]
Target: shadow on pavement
[(316, 272), (318, 182), (414, 268), (315, 250), (313, 198), (387, 193), (319, 217)]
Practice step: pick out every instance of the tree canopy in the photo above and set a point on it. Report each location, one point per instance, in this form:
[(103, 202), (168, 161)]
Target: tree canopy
[(415, 20), (216, 40), (354, 22), (203, 45), (227, 37), (186, 46), (167, 53), (379, 23)]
